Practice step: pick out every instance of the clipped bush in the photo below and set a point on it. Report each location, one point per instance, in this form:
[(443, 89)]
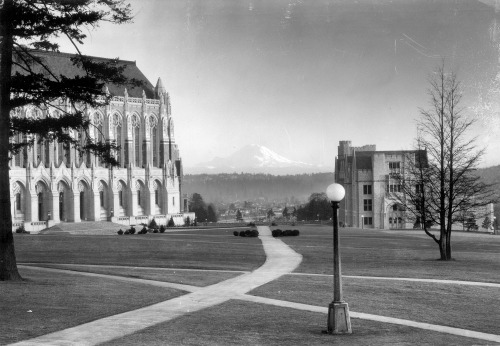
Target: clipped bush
[(171, 222), (277, 233), (273, 224), (254, 233), (120, 232), (144, 230), (287, 233), (127, 232), (131, 230), (153, 224), (295, 232), (21, 229), (248, 233), (155, 231), (251, 224), (242, 234), (162, 229), (236, 233)]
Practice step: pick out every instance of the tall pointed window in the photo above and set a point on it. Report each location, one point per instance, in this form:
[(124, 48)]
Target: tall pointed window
[(136, 128), (117, 124), (153, 122), (98, 132)]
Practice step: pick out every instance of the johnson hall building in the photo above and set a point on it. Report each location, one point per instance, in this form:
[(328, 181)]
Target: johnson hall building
[(52, 183)]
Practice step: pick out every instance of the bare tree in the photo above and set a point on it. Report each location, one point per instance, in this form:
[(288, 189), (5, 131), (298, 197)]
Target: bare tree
[(439, 186)]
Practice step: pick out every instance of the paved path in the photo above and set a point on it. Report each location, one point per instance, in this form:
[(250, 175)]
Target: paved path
[(280, 260)]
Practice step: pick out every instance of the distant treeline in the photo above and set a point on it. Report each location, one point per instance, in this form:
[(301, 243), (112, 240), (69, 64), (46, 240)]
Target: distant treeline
[(246, 187)]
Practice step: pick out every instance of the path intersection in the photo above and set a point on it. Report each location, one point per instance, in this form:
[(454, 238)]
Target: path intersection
[(280, 260)]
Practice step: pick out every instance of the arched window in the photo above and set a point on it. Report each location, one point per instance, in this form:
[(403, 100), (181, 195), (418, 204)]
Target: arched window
[(153, 122), (98, 133), (136, 129), (117, 125)]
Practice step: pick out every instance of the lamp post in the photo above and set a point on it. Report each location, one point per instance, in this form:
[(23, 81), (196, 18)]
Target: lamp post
[(339, 321)]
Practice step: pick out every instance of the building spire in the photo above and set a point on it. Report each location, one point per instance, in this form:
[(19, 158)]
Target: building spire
[(159, 89)]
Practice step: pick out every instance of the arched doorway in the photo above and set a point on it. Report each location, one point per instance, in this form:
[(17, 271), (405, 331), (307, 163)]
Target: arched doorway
[(141, 197), (85, 200), (19, 193), (158, 198), (65, 201), (43, 202)]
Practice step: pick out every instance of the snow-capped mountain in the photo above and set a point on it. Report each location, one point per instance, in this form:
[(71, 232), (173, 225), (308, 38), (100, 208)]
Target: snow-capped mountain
[(254, 159)]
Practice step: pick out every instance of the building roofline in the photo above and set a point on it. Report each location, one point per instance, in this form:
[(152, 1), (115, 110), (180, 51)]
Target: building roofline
[(47, 52)]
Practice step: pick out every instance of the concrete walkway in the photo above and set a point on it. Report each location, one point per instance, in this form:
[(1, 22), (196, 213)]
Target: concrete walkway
[(280, 260)]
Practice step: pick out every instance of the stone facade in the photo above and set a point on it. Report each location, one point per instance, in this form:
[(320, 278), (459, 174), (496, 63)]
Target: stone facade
[(368, 177), (52, 183), (365, 174)]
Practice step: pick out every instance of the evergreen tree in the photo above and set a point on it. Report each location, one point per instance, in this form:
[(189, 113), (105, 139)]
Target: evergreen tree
[(486, 223), (25, 79), (198, 206), (211, 214), (285, 213), (239, 216)]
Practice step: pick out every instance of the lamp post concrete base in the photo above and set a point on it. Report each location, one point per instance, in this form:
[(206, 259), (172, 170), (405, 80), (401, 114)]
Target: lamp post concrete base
[(339, 321)]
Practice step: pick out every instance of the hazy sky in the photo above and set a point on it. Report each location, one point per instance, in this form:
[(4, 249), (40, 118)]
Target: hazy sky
[(298, 76)]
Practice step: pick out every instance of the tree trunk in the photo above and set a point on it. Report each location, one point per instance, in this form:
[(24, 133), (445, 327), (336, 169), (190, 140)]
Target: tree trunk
[(448, 245), (8, 266)]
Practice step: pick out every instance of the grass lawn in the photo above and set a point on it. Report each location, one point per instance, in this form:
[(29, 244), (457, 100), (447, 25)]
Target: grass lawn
[(149, 250), (377, 253), (59, 301), (467, 307), (243, 323), (187, 277)]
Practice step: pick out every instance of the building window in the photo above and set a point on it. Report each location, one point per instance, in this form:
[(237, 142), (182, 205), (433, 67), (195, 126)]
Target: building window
[(367, 189), (367, 205), (120, 198), (395, 167), (139, 197), (156, 197), (101, 198), (173, 201), (394, 188), (368, 220)]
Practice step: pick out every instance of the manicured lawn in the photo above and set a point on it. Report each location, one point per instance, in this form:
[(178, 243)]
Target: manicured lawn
[(199, 278), (377, 253), (149, 250), (467, 307), (45, 303), (243, 323)]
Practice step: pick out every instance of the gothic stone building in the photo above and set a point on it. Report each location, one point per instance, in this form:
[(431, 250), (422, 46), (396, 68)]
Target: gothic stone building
[(365, 174), (52, 183), (368, 178)]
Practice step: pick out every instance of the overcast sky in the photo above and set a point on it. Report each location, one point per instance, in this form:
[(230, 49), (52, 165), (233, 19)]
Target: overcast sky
[(298, 76)]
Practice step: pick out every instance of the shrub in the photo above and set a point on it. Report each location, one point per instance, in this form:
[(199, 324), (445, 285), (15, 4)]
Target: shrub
[(120, 232), (254, 233), (248, 233), (153, 224), (251, 224), (242, 234), (131, 230), (187, 221), (127, 232), (155, 231), (236, 233), (21, 229), (273, 224), (295, 232), (144, 230), (277, 233), (171, 222), (162, 229), (287, 233)]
